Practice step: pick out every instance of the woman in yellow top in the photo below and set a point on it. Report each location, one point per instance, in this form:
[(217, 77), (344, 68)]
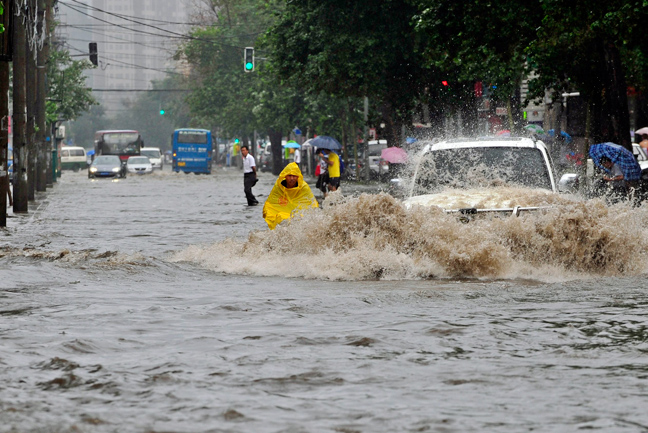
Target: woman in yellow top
[(333, 161), (289, 195)]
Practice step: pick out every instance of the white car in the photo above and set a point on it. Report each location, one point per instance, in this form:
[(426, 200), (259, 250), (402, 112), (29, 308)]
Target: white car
[(154, 155), (640, 154), (483, 175), (139, 165)]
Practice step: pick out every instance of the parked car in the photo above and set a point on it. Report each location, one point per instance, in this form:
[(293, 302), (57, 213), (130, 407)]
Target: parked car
[(265, 159), (378, 166), (464, 175), (640, 154), (107, 166), (154, 155), (139, 165), (73, 158)]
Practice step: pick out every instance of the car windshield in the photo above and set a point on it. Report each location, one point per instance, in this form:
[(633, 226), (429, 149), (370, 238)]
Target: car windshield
[(107, 159), (481, 167), (138, 160), (151, 153)]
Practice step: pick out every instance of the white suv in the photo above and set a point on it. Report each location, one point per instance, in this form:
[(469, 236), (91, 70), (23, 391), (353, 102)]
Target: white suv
[(474, 175), (154, 155)]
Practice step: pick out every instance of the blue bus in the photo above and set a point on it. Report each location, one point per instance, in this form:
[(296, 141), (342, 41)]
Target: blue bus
[(192, 150)]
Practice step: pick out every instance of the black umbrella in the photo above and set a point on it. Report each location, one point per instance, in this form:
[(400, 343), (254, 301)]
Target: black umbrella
[(325, 142)]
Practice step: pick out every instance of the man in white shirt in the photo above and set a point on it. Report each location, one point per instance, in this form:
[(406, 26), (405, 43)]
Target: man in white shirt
[(249, 175), (297, 157)]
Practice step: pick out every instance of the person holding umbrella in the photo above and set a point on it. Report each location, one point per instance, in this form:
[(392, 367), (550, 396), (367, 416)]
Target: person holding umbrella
[(328, 145), (615, 177), (611, 155)]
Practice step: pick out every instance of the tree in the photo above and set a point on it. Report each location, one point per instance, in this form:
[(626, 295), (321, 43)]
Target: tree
[(68, 95), (474, 41), (352, 49), (584, 49)]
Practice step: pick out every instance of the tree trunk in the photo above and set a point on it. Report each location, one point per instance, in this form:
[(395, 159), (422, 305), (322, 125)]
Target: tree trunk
[(277, 151), (616, 117)]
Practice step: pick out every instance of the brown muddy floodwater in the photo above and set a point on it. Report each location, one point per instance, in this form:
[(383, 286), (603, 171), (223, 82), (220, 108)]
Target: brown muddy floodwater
[(163, 304)]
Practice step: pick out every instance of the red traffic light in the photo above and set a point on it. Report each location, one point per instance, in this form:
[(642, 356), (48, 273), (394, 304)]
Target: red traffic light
[(445, 83)]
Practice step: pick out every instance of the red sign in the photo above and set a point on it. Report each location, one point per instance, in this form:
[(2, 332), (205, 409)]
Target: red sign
[(479, 89)]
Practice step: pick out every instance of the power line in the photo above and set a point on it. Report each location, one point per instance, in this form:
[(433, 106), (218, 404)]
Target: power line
[(141, 90), (127, 42), (120, 53), (182, 37), (123, 27), (129, 16)]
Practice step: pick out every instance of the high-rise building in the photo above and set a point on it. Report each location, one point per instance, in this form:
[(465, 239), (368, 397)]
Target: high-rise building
[(136, 41)]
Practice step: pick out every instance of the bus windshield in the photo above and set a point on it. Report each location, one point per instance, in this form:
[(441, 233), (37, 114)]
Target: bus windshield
[(122, 143), (197, 137)]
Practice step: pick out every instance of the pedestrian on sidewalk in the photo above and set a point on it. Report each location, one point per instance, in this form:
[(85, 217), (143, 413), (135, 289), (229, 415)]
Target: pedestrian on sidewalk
[(249, 175)]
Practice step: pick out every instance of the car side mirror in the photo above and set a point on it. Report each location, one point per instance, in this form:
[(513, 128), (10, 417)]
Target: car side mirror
[(569, 183)]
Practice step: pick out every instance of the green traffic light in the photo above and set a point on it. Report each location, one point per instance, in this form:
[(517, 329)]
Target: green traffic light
[(236, 140), (249, 66), (161, 112)]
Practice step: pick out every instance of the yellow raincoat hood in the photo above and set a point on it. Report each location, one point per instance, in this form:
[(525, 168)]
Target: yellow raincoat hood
[(283, 203)]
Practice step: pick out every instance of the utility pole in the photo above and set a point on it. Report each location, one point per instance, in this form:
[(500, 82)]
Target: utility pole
[(41, 93), (49, 19), (5, 58), (20, 186), (30, 78), (4, 140)]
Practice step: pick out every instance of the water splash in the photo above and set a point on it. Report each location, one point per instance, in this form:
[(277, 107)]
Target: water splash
[(376, 237)]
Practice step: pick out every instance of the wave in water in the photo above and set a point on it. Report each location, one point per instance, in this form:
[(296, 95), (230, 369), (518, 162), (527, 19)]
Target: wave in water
[(376, 237)]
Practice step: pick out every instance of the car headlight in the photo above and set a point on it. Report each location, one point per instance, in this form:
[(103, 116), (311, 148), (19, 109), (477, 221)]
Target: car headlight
[(115, 170), (93, 169)]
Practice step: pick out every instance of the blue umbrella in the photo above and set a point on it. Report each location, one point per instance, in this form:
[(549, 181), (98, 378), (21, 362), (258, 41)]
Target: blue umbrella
[(618, 155), (326, 142), (568, 138), (292, 145)]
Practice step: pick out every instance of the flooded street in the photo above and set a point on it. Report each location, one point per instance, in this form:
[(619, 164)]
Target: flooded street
[(163, 304)]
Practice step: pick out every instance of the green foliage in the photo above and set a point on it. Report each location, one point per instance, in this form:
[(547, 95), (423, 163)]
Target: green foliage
[(350, 49), (82, 130), (2, 28), (68, 94)]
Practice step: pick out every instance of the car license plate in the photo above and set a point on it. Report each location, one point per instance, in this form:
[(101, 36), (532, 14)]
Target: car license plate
[(181, 164)]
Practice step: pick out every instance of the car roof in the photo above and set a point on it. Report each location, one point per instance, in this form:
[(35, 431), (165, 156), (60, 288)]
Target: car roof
[(463, 143)]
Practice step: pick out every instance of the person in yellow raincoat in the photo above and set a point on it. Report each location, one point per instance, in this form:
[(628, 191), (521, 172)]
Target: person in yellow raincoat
[(289, 195)]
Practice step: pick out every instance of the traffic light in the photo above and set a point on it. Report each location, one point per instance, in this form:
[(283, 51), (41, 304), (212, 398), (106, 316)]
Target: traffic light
[(445, 83), (162, 111), (236, 140), (92, 46), (248, 59)]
